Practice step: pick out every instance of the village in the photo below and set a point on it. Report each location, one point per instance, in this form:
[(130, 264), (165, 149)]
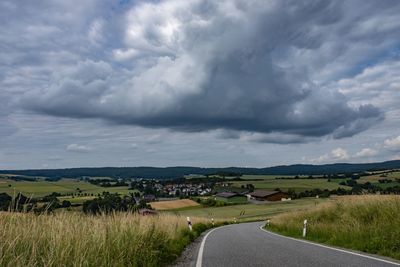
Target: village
[(154, 190)]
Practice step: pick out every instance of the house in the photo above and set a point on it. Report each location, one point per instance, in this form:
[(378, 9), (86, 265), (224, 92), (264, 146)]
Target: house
[(147, 212), (263, 195), (149, 198), (230, 197)]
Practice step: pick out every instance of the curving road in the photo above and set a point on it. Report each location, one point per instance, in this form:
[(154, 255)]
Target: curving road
[(248, 245)]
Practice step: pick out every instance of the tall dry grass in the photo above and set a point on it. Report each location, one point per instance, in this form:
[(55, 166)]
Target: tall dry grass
[(75, 239), (369, 223)]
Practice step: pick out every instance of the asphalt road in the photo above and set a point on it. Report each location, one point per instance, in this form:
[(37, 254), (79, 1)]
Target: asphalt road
[(247, 245)]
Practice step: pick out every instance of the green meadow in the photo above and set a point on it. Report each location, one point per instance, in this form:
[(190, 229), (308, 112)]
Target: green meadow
[(249, 211)]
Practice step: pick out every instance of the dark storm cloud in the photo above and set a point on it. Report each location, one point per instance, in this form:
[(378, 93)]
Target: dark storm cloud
[(248, 66)]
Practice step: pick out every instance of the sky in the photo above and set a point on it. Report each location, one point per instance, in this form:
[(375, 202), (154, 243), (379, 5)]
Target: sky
[(251, 83)]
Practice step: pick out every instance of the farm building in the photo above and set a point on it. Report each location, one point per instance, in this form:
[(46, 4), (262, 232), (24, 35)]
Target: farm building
[(231, 197), (268, 195), (147, 212), (149, 198)]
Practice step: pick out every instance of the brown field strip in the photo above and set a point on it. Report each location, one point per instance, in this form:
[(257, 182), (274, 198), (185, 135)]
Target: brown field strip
[(173, 204)]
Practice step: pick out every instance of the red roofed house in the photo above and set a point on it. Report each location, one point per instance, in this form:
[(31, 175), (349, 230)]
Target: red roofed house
[(263, 195)]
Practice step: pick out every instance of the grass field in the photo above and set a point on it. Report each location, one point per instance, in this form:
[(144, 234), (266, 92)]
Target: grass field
[(252, 211), (76, 200), (174, 204), (63, 186), (376, 177), (264, 177), (366, 223), (298, 185), (75, 239)]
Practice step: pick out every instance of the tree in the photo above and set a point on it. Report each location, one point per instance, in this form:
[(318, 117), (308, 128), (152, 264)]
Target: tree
[(108, 203), (5, 201), (66, 204), (19, 202)]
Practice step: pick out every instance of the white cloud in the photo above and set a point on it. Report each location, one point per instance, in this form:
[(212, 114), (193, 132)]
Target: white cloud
[(392, 143), (134, 146), (366, 152), (378, 84), (337, 154), (123, 55), (340, 154), (95, 33), (78, 148)]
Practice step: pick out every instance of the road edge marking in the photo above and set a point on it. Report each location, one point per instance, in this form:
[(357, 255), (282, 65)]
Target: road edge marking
[(332, 248), (199, 261)]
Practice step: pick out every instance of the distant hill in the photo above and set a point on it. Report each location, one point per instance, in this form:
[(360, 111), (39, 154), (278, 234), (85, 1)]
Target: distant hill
[(178, 172)]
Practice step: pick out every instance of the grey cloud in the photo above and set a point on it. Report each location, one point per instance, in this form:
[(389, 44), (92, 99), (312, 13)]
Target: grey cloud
[(7, 128), (238, 65), (368, 115), (228, 134), (54, 158), (277, 138)]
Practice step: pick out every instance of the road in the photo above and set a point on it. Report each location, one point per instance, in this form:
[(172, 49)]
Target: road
[(248, 245)]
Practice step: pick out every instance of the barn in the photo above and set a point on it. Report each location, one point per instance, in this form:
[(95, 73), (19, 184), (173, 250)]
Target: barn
[(230, 197), (147, 212), (264, 195)]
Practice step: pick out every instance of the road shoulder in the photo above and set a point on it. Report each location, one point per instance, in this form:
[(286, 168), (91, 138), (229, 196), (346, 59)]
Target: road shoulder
[(188, 257)]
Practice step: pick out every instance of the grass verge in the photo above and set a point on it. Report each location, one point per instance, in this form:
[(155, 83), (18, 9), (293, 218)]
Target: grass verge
[(365, 223), (74, 239)]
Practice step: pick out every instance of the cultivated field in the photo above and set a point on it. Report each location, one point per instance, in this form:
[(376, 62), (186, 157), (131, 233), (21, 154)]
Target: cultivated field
[(369, 223), (376, 177), (299, 185), (265, 177), (174, 204), (63, 186), (76, 200), (75, 239), (250, 211)]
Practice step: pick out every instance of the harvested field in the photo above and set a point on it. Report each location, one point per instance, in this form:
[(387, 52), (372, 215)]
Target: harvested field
[(173, 204)]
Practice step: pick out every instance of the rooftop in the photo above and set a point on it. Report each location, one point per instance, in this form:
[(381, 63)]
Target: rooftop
[(226, 194), (262, 193)]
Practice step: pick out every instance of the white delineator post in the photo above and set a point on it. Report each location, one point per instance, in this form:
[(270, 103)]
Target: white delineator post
[(268, 221), (212, 221), (234, 220), (189, 223), (305, 228)]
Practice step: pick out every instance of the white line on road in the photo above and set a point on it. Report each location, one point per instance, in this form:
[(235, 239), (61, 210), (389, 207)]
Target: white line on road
[(199, 261), (337, 249)]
